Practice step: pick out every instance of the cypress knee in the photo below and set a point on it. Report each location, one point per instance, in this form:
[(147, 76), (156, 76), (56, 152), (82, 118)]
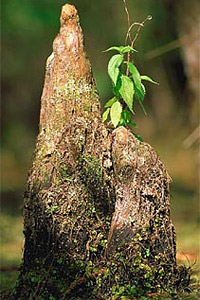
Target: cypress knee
[(96, 206)]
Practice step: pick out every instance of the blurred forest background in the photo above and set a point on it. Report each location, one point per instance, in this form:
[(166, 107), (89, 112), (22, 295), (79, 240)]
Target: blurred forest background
[(169, 50)]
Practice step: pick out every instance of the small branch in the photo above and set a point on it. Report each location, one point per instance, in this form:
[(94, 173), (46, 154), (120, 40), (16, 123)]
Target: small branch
[(148, 18), (132, 41), (168, 47), (129, 32), (128, 35), (192, 138)]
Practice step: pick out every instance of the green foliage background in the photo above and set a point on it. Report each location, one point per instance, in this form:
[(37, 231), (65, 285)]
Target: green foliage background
[(28, 28)]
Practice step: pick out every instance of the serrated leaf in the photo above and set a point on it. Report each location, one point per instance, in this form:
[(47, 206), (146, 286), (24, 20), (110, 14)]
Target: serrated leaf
[(113, 67), (105, 114), (110, 102), (127, 91), (115, 113), (135, 73), (147, 78)]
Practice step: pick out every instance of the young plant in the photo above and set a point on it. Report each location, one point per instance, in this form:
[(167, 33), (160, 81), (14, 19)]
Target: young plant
[(126, 81)]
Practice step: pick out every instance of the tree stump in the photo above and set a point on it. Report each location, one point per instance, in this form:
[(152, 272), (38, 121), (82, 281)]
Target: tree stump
[(96, 209)]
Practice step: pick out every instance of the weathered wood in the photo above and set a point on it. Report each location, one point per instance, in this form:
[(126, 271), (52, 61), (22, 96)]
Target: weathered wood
[(142, 195), (96, 208), (67, 155)]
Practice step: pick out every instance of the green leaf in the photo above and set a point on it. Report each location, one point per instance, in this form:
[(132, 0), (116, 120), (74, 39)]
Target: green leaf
[(127, 91), (126, 116), (35, 279), (139, 93), (138, 86), (121, 289), (105, 114), (113, 67), (110, 102), (138, 137), (117, 86), (143, 87), (115, 113), (121, 122), (135, 73), (127, 49), (147, 78), (121, 49), (133, 124), (114, 48)]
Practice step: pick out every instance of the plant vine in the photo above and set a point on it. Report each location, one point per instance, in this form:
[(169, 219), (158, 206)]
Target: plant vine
[(127, 83)]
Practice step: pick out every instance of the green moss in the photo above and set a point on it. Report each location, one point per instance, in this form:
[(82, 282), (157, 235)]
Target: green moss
[(92, 166), (75, 277), (64, 173)]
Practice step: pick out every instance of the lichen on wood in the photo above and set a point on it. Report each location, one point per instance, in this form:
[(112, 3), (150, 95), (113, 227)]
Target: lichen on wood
[(96, 208)]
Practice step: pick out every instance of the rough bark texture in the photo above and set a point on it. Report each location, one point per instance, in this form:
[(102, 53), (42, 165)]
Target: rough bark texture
[(96, 210)]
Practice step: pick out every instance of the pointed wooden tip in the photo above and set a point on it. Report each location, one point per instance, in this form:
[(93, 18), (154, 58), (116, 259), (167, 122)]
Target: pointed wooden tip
[(68, 13)]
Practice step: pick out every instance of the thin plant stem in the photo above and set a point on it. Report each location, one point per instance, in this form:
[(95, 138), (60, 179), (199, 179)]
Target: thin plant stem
[(128, 32), (130, 27), (128, 35), (128, 15), (140, 25)]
